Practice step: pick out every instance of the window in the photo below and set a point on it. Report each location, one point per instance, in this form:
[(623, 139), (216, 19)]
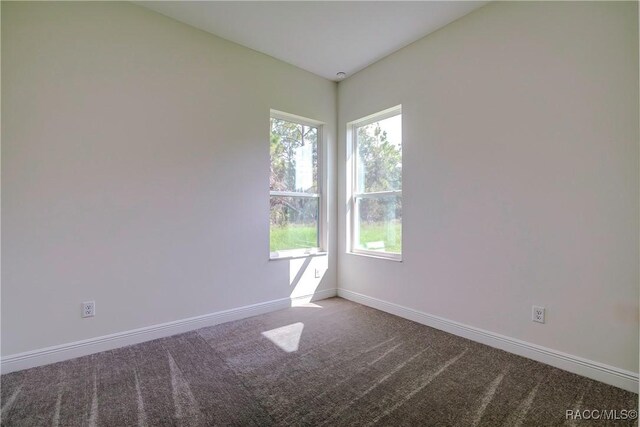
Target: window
[(376, 184), (294, 184)]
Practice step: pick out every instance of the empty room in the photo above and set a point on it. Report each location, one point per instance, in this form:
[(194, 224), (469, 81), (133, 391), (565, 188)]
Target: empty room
[(320, 213)]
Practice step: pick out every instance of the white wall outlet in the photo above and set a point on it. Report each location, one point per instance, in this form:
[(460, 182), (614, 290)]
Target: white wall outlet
[(317, 273), (537, 314), (88, 309)]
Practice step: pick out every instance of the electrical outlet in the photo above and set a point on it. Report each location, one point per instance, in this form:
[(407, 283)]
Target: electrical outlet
[(88, 309), (317, 273), (537, 314)]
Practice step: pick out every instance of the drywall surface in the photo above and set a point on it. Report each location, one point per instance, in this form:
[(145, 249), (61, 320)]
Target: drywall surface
[(135, 172), (520, 187)]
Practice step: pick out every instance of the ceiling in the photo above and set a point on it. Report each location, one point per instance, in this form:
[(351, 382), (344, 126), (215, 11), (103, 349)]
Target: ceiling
[(323, 37)]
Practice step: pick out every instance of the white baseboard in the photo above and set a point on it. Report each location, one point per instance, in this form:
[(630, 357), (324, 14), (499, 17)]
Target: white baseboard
[(617, 377), (58, 353)]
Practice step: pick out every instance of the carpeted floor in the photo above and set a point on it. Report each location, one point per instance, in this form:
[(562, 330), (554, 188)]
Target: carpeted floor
[(331, 363)]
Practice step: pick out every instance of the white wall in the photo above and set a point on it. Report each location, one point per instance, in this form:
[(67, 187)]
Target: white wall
[(135, 168), (520, 186)]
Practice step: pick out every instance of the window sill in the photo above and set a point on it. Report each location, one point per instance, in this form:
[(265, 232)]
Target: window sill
[(297, 255), (394, 257)]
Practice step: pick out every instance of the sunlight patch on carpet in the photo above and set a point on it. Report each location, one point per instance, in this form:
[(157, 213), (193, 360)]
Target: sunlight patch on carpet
[(286, 337)]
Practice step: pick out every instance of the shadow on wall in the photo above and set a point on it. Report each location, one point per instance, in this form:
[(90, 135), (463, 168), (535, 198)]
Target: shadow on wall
[(305, 276)]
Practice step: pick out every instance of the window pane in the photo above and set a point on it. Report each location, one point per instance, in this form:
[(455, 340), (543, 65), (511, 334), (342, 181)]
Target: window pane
[(294, 223), (379, 157), (294, 157), (379, 224)]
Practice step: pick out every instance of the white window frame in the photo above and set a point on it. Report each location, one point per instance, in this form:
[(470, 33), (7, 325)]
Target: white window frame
[(320, 195), (352, 183)]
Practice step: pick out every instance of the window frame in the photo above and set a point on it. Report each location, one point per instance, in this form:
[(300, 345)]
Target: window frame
[(352, 183), (319, 195)]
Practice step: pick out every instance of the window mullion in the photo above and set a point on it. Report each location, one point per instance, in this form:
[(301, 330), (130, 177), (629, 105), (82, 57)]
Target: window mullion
[(294, 194), (378, 194)]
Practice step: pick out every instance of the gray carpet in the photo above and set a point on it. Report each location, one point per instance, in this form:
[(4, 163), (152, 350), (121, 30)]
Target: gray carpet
[(331, 363)]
